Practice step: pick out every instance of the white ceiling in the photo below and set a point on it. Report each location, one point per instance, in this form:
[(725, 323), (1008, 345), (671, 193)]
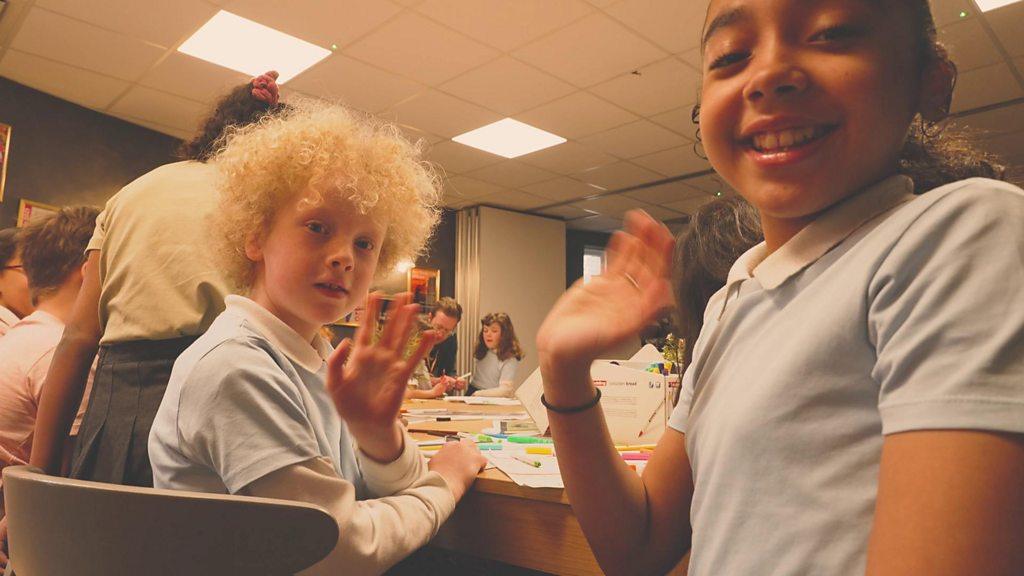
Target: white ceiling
[(616, 77)]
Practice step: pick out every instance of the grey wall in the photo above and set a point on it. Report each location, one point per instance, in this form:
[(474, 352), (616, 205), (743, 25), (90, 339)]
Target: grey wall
[(65, 154)]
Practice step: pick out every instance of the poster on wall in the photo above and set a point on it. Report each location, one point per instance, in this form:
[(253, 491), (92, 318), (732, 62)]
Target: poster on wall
[(425, 285), (30, 211), (5, 148)]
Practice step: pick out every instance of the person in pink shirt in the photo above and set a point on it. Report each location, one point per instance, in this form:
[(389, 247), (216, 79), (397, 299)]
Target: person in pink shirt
[(53, 253), (15, 302)]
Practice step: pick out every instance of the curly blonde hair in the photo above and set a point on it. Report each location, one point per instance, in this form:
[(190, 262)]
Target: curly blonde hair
[(321, 150)]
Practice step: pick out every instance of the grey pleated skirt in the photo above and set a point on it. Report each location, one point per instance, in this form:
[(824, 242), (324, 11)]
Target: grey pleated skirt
[(129, 384)]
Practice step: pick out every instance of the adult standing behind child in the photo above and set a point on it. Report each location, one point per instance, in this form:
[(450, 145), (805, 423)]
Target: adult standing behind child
[(151, 288), (497, 357), (314, 202), (15, 300)]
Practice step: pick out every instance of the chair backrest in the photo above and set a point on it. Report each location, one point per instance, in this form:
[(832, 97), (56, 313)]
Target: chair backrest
[(60, 526)]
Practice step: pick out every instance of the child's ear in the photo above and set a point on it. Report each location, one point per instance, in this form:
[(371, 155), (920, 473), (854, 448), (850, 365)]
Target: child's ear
[(936, 95), (254, 248)]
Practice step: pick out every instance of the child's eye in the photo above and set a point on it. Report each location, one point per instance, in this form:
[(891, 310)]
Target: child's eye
[(316, 227), (728, 60), (365, 244), (835, 33)]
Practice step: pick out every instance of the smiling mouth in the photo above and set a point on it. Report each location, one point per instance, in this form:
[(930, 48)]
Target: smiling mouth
[(788, 139)]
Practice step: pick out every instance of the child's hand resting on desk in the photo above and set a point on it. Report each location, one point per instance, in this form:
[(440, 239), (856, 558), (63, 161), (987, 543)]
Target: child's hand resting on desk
[(458, 463), (367, 381), (613, 307)]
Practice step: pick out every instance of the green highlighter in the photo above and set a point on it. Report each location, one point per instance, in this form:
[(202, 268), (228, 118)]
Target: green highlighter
[(530, 440)]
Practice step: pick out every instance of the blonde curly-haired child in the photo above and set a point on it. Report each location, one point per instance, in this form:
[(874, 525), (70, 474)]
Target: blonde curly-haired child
[(314, 202)]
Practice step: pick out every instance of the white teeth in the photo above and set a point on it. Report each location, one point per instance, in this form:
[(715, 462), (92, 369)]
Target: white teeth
[(768, 141)]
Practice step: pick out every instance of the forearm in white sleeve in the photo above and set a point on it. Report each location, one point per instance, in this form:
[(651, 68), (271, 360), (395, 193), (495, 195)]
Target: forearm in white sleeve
[(373, 535), (502, 390), (395, 476)]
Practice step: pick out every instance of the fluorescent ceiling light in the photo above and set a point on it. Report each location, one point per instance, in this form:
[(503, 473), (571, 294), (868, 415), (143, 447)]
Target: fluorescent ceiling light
[(246, 46), (987, 5), (509, 138)]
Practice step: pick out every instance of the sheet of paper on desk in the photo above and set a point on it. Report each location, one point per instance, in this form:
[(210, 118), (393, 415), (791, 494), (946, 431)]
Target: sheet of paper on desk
[(545, 476)]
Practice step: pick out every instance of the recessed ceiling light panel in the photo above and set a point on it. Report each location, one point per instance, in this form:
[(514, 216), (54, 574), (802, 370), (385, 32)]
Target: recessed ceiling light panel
[(509, 138), (987, 5), (252, 48)]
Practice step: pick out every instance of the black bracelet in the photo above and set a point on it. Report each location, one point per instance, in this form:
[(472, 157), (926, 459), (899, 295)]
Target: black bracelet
[(574, 409)]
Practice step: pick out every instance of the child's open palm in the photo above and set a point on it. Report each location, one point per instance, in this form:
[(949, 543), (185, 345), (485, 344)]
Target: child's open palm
[(367, 380), (592, 318)]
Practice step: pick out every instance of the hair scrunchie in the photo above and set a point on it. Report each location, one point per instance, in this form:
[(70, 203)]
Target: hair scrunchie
[(264, 88)]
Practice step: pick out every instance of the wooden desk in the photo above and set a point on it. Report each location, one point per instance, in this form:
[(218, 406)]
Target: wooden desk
[(530, 527)]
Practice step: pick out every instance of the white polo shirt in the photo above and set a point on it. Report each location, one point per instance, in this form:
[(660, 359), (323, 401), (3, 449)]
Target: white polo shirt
[(889, 313)]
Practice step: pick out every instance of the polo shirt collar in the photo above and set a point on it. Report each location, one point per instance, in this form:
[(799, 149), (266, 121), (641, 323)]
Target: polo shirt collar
[(309, 355), (833, 226), (8, 317)]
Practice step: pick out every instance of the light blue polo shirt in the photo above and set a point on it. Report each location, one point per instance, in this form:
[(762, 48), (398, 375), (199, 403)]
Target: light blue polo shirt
[(246, 399), (889, 313)]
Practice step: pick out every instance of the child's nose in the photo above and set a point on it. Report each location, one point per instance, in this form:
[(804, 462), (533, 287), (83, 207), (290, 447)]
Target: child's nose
[(777, 79), (342, 257)]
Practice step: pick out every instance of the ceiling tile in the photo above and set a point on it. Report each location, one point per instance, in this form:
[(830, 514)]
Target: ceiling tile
[(665, 193), (619, 175), (679, 121), (163, 23), (419, 137), (637, 139), (576, 115), (710, 183), (948, 11), (160, 108), (692, 58), (1007, 22), (652, 89), (672, 24), (591, 50), (175, 132), (511, 174), (617, 205), (993, 122), (568, 158), (969, 45), (567, 212), (441, 114), (455, 158), (505, 24), (690, 205), (507, 86), (359, 85), (514, 199), (471, 187), (192, 78), (562, 189), (674, 162), (82, 87), (596, 224), (985, 86), (413, 46), (79, 44), (319, 22)]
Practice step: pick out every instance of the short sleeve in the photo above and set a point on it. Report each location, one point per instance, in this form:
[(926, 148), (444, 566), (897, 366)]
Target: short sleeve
[(99, 232), (508, 370), (681, 413), (946, 315), (241, 415)]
